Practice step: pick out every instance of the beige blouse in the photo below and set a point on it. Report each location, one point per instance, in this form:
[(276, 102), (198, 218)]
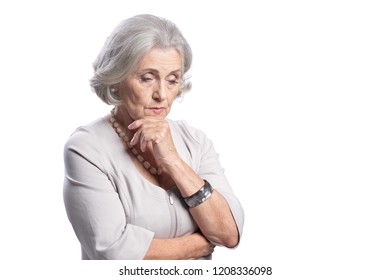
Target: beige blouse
[(115, 212)]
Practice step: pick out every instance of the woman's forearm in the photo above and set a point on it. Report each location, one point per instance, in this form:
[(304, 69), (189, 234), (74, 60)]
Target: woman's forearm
[(213, 216), (216, 221), (188, 247)]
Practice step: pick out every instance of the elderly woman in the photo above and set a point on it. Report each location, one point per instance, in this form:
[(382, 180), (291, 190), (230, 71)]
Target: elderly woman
[(138, 185)]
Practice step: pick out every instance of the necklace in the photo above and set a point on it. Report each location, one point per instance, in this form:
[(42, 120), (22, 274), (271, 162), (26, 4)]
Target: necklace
[(146, 164)]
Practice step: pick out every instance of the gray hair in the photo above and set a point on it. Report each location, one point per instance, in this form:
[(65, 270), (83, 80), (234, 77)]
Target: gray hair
[(125, 47)]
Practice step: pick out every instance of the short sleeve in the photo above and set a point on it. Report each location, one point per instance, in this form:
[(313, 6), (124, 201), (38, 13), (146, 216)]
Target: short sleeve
[(94, 207)]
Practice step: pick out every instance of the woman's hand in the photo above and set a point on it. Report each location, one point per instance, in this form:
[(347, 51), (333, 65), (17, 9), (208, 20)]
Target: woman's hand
[(156, 134), (201, 246), (187, 247)]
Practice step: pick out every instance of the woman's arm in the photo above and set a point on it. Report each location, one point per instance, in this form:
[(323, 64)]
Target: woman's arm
[(188, 247), (213, 216), (95, 210)]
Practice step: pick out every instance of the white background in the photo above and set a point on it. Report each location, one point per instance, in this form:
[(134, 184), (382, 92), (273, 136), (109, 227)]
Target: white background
[(294, 94)]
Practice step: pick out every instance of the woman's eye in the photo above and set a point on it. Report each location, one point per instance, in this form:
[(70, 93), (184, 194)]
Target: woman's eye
[(146, 79), (173, 82)]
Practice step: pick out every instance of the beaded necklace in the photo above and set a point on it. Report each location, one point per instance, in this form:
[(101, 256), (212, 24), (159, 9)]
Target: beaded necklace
[(146, 164)]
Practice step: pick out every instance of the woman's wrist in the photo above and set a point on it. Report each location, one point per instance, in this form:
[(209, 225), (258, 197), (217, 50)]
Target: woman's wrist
[(187, 181), (200, 196)]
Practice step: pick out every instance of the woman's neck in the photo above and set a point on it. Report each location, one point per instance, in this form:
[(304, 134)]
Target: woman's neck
[(122, 116)]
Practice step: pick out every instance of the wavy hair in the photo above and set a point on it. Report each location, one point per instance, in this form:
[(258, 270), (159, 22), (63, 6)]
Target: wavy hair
[(126, 46)]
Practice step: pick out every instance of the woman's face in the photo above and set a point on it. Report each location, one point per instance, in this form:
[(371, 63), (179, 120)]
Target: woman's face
[(152, 88)]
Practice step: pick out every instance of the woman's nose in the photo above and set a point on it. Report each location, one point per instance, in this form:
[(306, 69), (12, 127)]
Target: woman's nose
[(160, 91)]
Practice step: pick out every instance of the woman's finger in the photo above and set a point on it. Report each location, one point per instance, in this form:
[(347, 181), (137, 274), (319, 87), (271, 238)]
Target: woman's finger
[(135, 124), (143, 142), (144, 130), (136, 138)]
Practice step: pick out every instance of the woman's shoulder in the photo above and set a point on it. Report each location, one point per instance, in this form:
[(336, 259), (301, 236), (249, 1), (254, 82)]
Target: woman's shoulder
[(89, 135), (187, 131)]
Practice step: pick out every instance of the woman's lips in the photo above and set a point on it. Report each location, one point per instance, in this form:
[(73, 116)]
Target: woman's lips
[(157, 110)]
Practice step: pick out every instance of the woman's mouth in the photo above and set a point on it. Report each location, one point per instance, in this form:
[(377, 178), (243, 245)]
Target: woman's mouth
[(157, 110)]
